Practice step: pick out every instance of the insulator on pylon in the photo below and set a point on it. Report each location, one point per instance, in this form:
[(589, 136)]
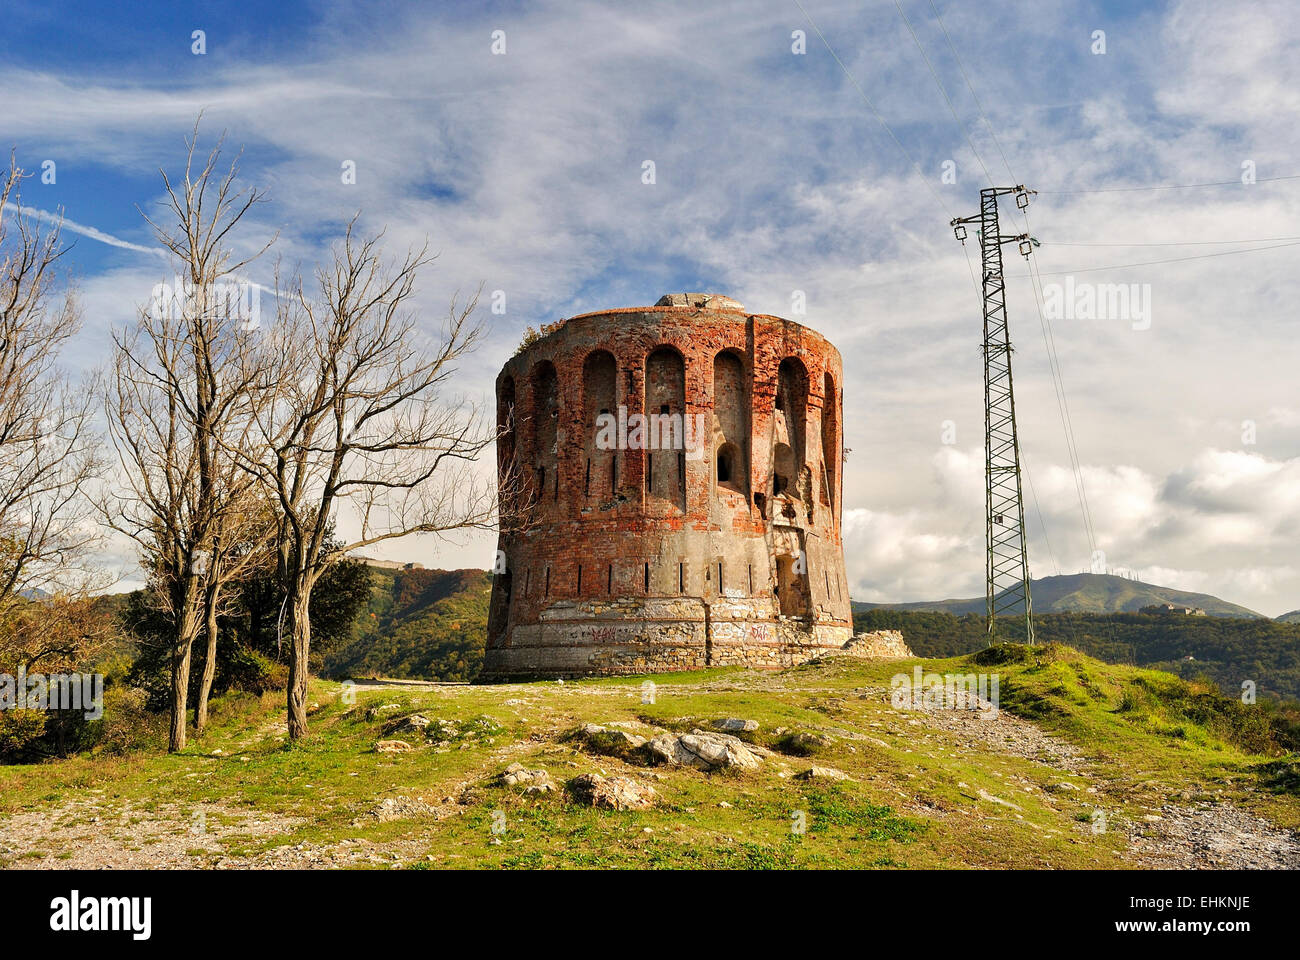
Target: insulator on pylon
[(1022, 199), (1025, 248), (959, 232)]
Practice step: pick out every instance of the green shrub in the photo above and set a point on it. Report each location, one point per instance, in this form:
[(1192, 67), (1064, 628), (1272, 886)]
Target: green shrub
[(20, 729), (256, 673), (128, 724)]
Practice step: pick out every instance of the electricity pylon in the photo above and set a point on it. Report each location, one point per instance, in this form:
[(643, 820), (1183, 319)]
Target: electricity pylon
[(1007, 562)]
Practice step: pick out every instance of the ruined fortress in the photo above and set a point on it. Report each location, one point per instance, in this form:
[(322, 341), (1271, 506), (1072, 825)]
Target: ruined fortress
[(683, 465)]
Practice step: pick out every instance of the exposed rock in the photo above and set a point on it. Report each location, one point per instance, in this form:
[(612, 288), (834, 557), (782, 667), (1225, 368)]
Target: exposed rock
[(372, 712), (822, 773), (415, 723), (614, 793), (702, 750), (610, 743), (406, 808), (392, 746), (533, 781), (735, 725), (878, 645), (802, 743), (1211, 835), (985, 795)]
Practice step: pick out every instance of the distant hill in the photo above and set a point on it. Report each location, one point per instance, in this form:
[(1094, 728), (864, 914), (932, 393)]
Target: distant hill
[(1292, 617), (421, 624), (1087, 593)]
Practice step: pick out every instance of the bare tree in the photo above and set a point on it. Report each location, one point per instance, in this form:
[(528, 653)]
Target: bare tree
[(362, 421), (49, 454), (243, 536), (181, 396)]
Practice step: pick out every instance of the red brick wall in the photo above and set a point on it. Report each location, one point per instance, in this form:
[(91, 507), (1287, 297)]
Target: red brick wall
[(616, 527)]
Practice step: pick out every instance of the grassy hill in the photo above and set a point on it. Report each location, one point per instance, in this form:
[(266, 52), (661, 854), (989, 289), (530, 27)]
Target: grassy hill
[(1292, 617), (1088, 765), (1085, 593), (1227, 650), (420, 624)]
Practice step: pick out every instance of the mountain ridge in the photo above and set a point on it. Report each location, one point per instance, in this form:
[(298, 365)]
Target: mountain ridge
[(1086, 593)]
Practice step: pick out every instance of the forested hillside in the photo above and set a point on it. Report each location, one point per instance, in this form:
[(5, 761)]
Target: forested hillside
[(420, 624)]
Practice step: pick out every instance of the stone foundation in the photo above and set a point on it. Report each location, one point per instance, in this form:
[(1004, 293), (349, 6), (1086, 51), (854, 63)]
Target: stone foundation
[(658, 635)]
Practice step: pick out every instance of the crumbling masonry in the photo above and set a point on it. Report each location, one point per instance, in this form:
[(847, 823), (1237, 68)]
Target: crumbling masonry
[(658, 548)]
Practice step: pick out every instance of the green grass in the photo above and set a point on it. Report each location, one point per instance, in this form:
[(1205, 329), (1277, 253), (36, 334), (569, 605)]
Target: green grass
[(918, 797)]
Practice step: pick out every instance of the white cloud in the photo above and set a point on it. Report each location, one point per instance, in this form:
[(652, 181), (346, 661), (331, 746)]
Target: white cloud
[(524, 171)]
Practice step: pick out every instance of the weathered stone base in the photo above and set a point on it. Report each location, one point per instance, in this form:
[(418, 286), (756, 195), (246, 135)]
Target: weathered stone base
[(658, 636)]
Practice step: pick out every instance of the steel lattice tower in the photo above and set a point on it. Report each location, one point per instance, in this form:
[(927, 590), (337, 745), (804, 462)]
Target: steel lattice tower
[(1007, 562)]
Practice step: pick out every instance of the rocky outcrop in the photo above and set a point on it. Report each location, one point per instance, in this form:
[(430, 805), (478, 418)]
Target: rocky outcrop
[(702, 750), (612, 793), (822, 773), (415, 723), (533, 781), (610, 742), (878, 645), (734, 725)]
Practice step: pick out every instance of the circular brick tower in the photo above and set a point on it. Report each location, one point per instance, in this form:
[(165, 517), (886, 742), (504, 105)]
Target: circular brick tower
[(682, 464)]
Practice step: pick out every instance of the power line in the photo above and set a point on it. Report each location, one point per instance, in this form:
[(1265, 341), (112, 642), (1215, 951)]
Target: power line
[(1063, 406), (1161, 243), (971, 87), (1033, 494), (879, 119), (1148, 263), (947, 99), (1168, 186)]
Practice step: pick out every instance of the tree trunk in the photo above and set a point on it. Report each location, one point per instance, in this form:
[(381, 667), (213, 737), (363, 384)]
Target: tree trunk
[(180, 690), (300, 631), (209, 664)]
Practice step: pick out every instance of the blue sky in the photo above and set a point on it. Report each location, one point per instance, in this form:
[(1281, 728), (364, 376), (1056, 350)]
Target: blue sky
[(772, 176)]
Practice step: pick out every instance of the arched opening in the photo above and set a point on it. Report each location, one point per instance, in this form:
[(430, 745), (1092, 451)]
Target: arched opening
[(499, 614), (546, 407), (791, 586), (792, 404), (783, 470), (726, 464), (830, 442), (505, 423), (790, 473), (599, 382), (510, 489), (665, 408), (731, 422)]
